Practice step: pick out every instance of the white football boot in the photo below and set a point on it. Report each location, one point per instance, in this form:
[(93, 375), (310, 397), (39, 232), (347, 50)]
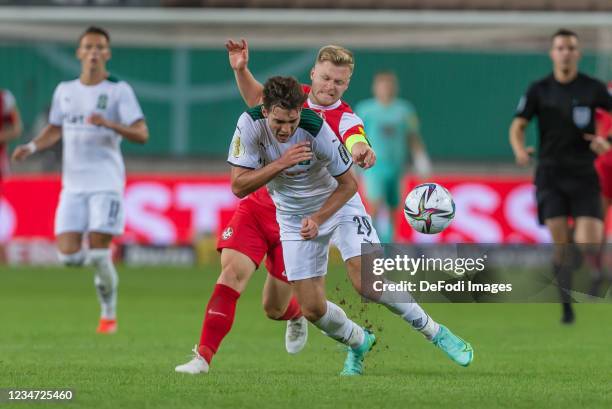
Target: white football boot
[(196, 366), (296, 335)]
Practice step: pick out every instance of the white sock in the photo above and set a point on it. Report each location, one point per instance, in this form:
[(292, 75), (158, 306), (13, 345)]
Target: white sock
[(106, 281), (335, 324), (72, 260), (413, 314)]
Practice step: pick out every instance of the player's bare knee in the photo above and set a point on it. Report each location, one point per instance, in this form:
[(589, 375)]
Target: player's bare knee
[(234, 275), (272, 310), (230, 277), (100, 240), (314, 311), (68, 246), (312, 315), (236, 269)]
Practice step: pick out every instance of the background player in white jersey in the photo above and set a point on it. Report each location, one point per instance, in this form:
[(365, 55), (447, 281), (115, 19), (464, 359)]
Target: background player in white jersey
[(92, 114)]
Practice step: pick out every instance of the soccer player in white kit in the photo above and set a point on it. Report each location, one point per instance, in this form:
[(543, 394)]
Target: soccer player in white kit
[(309, 179), (92, 114), (307, 172)]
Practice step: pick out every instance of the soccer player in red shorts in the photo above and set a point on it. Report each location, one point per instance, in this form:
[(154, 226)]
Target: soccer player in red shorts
[(253, 231), (10, 128), (603, 164)]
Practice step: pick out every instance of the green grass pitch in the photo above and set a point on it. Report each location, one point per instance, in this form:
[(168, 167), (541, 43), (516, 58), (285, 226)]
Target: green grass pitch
[(523, 357)]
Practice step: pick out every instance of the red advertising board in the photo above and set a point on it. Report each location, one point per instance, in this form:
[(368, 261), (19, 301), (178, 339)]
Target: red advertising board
[(488, 210), (174, 208), (160, 209)]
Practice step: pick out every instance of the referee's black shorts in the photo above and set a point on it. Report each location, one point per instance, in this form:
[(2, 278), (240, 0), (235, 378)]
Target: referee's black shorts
[(564, 192)]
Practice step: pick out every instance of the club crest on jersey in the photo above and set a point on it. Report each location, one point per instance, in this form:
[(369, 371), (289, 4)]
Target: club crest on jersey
[(102, 101), (582, 116), (227, 233)]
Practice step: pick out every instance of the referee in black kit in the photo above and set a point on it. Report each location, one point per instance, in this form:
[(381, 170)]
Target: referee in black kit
[(565, 179)]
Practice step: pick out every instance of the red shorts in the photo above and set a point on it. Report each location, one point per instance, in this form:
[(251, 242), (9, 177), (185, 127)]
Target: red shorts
[(604, 170), (253, 231)]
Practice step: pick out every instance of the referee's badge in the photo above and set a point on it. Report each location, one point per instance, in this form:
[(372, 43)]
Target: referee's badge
[(582, 116)]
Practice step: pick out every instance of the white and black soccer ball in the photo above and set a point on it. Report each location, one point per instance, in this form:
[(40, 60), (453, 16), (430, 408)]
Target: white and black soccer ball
[(429, 208)]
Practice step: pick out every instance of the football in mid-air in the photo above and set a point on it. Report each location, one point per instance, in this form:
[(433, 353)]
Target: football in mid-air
[(429, 208)]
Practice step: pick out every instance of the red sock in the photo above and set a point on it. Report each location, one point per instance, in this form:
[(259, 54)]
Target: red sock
[(293, 311), (218, 319)]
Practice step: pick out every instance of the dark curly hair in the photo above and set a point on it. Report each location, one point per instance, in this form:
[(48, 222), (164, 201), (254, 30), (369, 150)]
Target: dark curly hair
[(283, 92)]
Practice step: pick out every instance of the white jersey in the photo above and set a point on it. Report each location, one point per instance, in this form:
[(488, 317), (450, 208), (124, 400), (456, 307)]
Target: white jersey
[(303, 188), (92, 158)]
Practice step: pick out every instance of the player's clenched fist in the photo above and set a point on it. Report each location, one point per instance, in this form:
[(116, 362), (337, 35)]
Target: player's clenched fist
[(238, 54), (363, 155), (299, 152), (310, 229)]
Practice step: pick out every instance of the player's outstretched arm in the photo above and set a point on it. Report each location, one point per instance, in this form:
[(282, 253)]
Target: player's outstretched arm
[(245, 181), (517, 141), (48, 137), (251, 90), (138, 132), (347, 187)]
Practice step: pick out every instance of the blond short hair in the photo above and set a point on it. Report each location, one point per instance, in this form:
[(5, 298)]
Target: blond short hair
[(337, 55)]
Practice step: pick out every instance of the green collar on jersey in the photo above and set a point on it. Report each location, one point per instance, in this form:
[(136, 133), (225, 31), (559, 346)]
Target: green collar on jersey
[(309, 120)]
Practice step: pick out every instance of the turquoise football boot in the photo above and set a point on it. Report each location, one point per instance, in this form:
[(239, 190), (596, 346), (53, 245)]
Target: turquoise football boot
[(353, 365), (457, 349)]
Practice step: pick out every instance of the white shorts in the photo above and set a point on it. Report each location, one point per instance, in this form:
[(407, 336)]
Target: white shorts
[(100, 212), (348, 229)]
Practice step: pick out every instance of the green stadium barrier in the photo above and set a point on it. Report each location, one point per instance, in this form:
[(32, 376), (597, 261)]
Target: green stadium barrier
[(465, 98)]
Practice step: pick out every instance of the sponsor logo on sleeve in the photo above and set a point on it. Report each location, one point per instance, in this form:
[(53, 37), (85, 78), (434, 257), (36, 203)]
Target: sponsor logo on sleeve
[(344, 155)]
